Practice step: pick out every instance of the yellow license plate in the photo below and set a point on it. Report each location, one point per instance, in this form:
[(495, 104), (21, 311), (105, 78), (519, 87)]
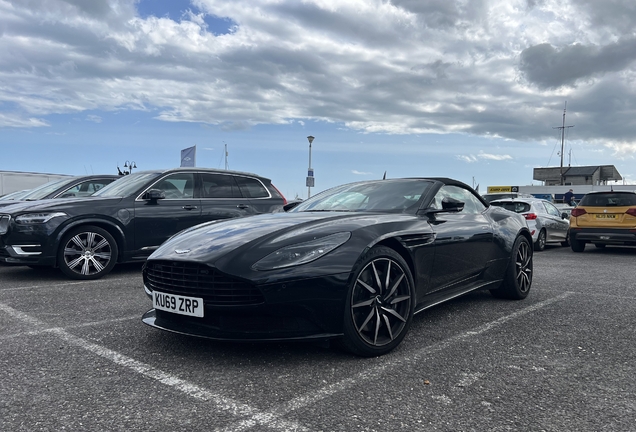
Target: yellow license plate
[(605, 216)]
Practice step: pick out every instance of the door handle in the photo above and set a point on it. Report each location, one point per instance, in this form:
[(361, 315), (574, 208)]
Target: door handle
[(189, 207), (242, 206)]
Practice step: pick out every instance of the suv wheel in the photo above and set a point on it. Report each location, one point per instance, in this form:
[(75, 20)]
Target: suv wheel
[(87, 252)]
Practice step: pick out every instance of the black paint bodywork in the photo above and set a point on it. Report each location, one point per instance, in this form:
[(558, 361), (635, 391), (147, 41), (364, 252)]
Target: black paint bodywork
[(449, 254)]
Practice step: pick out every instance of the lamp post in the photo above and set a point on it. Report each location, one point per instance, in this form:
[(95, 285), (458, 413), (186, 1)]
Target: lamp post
[(310, 172), (130, 166)]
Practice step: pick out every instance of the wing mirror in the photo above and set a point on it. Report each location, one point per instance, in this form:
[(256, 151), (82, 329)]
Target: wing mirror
[(154, 195), (449, 205)]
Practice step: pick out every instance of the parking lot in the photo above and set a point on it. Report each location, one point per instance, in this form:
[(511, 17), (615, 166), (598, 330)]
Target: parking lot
[(75, 356)]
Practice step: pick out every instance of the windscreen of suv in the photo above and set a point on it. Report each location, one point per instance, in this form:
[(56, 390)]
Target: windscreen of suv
[(517, 207), (127, 185), (610, 199)]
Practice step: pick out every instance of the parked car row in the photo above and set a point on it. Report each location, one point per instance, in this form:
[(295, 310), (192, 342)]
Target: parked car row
[(226, 257), (224, 261)]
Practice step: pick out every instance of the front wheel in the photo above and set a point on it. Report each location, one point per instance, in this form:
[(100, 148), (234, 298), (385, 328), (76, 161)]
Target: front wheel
[(518, 278), (380, 302), (87, 252)]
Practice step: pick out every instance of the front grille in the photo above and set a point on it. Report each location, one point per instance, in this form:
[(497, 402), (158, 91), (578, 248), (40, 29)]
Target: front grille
[(4, 223), (199, 280)]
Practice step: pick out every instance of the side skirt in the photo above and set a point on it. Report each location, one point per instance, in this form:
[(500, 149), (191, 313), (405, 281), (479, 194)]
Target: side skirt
[(442, 296)]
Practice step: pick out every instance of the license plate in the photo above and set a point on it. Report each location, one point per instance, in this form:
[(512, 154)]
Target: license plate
[(605, 216), (192, 306)]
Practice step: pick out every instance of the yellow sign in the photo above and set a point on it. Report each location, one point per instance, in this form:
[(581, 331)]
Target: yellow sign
[(497, 189)]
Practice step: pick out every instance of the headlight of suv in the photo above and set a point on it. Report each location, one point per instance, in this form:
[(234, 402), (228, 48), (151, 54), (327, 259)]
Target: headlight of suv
[(37, 218), (302, 253)]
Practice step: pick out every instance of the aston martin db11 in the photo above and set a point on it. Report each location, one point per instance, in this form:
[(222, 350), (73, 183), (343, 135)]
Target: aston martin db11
[(353, 263)]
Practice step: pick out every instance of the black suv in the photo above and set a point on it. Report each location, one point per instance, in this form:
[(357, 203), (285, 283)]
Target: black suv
[(128, 219)]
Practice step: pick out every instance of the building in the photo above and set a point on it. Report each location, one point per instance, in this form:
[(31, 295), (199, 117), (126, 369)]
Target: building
[(11, 181), (580, 175)]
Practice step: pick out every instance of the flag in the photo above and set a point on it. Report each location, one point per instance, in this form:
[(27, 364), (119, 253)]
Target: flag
[(189, 157)]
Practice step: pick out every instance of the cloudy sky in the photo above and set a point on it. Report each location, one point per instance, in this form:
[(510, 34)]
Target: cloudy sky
[(469, 89)]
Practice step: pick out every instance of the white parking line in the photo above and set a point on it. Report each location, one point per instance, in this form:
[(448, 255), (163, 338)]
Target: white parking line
[(88, 324), (318, 395), (222, 403), (65, 284)]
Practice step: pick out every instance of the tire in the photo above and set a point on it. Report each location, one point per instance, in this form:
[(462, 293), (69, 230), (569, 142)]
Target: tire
[(599, 245), (518, 278), (577, 245), (539, 245), (566, 242), (380, 302), (87, 252)]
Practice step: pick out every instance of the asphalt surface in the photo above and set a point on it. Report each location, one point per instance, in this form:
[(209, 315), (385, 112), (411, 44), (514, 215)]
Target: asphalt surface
[(75, 357)]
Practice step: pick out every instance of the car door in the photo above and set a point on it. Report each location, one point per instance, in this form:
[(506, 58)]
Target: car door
[(463, 240), (558, 228), (259, 197), (221, 197), (158, 219)]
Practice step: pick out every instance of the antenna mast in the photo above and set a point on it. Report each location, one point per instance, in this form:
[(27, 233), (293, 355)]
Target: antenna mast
[(563, 139)]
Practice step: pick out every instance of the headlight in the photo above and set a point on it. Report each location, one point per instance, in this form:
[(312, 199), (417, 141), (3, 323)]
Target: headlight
[(37, 218), (302, 253)]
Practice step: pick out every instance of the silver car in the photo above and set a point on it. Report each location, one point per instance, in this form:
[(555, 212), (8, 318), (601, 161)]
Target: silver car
[(546, 223)]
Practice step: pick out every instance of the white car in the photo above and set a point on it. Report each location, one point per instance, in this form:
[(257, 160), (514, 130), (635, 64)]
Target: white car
[(547, 223)]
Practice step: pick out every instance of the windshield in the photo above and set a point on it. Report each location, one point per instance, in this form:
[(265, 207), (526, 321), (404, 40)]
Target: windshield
[(379, 196), (46, 189), (127, 185)]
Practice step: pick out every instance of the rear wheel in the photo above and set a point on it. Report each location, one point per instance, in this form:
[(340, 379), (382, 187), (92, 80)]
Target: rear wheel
[(566, 242), (577, 245), (518, 279), (87, 252), (380, 302), (539, 245)]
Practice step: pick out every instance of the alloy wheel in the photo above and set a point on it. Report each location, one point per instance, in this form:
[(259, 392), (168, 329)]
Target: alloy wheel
[(87, 253), (523, 266), (381, 301)]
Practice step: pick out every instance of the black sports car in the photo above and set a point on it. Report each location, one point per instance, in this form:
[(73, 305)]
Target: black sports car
[(354, 263)]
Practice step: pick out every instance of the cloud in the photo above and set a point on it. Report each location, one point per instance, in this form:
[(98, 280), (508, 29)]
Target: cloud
[(356, 172), (94, 118), (483, 156), (490, 68)]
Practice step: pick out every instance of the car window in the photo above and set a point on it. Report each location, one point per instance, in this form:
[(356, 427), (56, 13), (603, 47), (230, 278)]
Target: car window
[(251, 188), (40, 192), (177, 186), (472, 204), (552, 210), (86, 188), (514, 206), (219, 186), (396, 195), (608, 200)]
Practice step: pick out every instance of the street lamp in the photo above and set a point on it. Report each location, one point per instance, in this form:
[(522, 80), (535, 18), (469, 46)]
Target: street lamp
[(310, 172), (129, 165)]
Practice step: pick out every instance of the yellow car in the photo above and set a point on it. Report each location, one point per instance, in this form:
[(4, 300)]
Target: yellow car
[(602, 218)]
